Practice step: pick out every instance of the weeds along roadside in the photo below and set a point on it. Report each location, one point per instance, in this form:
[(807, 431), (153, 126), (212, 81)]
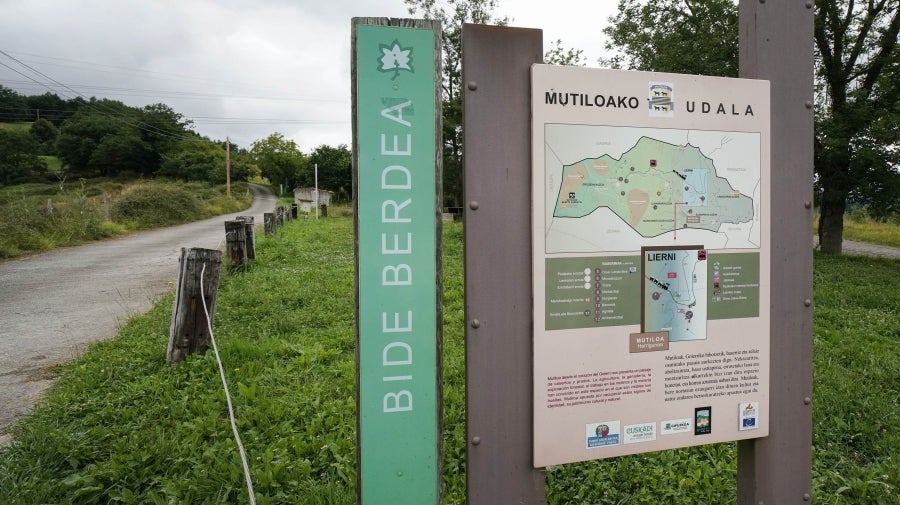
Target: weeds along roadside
[(122, 426), (41, 216)]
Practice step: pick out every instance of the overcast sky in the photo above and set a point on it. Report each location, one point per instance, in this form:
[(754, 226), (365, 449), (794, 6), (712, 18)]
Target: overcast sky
[(237, 68)]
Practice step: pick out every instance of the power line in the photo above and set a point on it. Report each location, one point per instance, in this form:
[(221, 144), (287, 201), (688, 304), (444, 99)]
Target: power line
[(108, 112), (109, 90)]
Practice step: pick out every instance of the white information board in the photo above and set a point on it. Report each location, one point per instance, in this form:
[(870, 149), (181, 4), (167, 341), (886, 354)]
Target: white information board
[(651, 212)]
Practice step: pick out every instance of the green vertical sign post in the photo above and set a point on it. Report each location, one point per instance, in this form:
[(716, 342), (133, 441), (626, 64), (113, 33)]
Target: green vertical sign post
[(397, 190)]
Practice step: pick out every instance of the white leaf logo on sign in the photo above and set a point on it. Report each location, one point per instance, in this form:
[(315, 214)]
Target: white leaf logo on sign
[(395, 58)]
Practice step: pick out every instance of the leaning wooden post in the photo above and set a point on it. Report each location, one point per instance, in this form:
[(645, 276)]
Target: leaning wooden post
[(189, 329), (287, 213), (269, 223), (279, 217), (235, 244), (250, 236)]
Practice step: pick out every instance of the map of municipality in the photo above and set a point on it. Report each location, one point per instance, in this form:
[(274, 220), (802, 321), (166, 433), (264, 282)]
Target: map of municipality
[(675, 293), (662, 186)]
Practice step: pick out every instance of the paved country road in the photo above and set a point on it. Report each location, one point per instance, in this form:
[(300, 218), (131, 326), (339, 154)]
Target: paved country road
[(53, 305), (852, 248)]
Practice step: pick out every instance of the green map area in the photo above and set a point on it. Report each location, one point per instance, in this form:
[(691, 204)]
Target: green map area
[(655, 187)]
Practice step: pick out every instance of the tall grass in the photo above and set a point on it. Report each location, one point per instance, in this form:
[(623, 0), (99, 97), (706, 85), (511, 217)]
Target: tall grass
[(39, 216), (859, 226), (121, 426)]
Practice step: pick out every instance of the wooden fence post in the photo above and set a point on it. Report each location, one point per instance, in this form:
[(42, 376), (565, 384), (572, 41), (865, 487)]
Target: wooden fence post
[(287, 213), (189, 328), (323, 210), (250, 233), (279, 217), (235, 244), (294, 210), (269, 223)]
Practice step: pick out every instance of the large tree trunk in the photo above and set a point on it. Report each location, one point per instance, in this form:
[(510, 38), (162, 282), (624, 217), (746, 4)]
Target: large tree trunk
[(831, 222)]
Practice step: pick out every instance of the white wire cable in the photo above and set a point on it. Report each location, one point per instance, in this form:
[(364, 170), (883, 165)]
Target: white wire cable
[(237, 437)]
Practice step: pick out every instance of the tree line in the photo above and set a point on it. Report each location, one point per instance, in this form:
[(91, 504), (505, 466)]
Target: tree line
[(106, 138)]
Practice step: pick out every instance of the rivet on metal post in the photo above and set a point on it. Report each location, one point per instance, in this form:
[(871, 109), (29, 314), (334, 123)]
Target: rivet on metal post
[(807, 204), (476, 440), (476, 323), (809, 5), (807, 302), (809, 105), (806, 497), (472, 85), (473, 205), (807, 400), (762, 2)]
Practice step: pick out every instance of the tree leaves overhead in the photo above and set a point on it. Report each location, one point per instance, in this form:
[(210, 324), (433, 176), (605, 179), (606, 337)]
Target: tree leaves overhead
[(681, 36)]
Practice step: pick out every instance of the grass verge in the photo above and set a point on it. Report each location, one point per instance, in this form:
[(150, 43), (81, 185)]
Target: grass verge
[(38, 216), (121, 426)]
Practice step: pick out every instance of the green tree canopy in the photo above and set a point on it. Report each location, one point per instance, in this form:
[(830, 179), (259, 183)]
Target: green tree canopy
[(106, 137), (195, 160), (81, 135), (18, 157), (279, 160), (51, 107), (334, 170), (681, 36), (45, 134), (12, 106)]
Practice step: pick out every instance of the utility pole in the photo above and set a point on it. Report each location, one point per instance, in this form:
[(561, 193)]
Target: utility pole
[(228, 167)]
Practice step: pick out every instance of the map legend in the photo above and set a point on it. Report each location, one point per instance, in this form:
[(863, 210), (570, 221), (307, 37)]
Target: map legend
[(592, 292)]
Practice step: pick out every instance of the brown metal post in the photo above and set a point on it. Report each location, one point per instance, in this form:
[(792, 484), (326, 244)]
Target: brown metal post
[(497, 185), (776, 43)]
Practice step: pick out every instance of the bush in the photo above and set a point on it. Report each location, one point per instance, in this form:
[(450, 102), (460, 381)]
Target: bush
[(154, 204)]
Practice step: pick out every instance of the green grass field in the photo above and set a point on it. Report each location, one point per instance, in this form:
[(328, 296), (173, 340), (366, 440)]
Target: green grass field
[(22, 127), (121, 426)]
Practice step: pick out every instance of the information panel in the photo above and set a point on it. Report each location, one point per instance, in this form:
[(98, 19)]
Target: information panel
[(397, 270), (651, 211)]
